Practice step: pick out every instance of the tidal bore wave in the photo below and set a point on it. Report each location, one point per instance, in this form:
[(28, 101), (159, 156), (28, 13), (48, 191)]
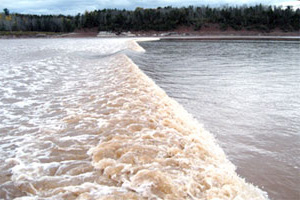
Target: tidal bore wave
[(146, 147)]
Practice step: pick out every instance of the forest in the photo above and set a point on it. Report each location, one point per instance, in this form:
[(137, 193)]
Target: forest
[(259, 17)]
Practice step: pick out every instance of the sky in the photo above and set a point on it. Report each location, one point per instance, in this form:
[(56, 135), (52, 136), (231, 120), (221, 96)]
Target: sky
[(72, 7)]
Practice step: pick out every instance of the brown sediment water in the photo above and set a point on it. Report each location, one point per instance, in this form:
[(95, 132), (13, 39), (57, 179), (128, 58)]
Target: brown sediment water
[(82, 121), (161, 151), (246, 93)]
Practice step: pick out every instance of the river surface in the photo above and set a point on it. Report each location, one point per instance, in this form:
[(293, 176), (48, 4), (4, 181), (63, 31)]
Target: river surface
[(79, 119), (247, 93)]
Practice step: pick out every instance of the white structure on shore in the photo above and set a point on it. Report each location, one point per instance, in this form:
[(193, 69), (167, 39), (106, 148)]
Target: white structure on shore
[(111, 34), (106, 34), (127, 34)]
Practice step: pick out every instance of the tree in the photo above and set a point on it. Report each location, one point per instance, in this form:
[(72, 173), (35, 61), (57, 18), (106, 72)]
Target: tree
[(257, 17), (6, 11)]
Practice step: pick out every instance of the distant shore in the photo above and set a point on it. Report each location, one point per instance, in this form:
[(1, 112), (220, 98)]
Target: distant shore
[(179, 34), (236, 37)]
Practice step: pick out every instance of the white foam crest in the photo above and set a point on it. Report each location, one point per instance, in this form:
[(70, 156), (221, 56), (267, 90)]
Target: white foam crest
[(109, 132), (133, 45), (169, 153)]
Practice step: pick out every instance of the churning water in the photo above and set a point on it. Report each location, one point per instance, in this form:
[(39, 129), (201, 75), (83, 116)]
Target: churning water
[(80, 120), (247, 93)]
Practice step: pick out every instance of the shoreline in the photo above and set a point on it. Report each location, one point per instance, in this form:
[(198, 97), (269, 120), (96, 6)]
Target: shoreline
[(181, 38), (163, 35), (241, 37)]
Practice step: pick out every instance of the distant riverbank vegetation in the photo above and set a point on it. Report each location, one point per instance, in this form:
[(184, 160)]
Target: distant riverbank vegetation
[(259, 17)]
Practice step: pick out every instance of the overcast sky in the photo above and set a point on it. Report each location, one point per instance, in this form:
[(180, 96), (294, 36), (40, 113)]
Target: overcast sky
[(79, 6)]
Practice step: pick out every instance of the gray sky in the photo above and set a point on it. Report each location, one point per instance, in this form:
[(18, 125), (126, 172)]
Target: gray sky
[(79, 6)]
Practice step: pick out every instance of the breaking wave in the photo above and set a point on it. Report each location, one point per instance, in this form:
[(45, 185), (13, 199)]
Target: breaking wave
[(124, 139)]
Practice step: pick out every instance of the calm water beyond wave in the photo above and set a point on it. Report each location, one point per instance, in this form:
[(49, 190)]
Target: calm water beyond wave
[(80, 120), (247, 94)]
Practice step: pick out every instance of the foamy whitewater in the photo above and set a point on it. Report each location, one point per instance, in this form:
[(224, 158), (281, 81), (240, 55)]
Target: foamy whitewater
[(81, 121)]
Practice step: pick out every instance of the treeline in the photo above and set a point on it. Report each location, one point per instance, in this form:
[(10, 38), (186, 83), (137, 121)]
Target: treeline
[(259, 17), (43, 23)]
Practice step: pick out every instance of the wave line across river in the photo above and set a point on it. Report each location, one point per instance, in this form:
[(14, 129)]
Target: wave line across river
[(104, 131)]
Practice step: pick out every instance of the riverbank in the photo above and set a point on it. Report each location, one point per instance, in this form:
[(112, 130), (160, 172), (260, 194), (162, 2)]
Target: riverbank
[(35, 34), (241, 37), (182, 33)]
